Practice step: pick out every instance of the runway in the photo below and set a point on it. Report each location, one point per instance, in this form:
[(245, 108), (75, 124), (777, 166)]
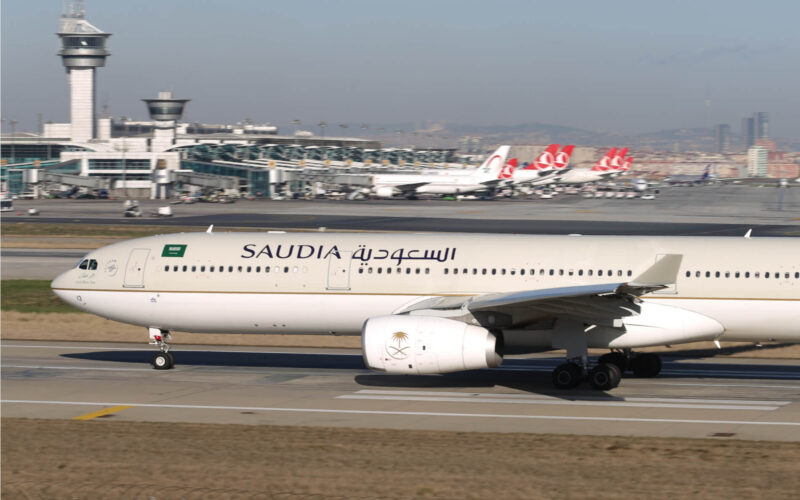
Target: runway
[(37, 264), (742, 399)]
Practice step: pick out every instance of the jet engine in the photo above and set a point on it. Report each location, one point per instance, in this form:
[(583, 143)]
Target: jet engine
[(384, 192), (425, 345)]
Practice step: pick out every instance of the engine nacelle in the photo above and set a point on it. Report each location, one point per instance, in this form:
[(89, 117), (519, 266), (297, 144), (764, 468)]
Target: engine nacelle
[(384, 191), (425, 345)]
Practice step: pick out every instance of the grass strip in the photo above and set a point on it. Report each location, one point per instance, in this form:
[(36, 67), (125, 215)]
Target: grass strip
[(31, 296)]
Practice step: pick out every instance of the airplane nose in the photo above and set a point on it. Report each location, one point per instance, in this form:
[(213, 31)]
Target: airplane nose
[(59, 283)]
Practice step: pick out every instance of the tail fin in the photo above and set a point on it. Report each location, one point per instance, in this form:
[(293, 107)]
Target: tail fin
[(626, 163), (508, 169), (491, 168), (616, 161), (545, 160), (602, 164), (562, 158)]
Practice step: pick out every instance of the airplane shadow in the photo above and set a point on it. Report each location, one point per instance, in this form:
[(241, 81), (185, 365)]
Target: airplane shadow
[(528, 375)]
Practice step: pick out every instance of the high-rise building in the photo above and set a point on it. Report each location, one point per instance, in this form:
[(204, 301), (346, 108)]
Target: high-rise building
[(761, 124), (83, 48), (757, 157), (722, 133), (748, 132)]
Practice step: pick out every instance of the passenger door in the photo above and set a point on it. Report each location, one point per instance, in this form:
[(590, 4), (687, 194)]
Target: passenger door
[(339, 271), (134, 271)]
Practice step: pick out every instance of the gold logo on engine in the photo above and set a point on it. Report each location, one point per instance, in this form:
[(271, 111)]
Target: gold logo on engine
[(397, 345)]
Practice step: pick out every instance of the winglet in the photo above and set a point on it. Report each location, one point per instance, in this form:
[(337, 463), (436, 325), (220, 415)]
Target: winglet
[(748, 233), (663, 272), (210, 229)]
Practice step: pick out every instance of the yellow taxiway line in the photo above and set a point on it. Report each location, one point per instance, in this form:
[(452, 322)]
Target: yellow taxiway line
[(102, 413)]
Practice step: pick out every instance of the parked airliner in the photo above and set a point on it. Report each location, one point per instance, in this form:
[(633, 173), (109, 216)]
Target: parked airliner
[(482, 179), (436, 303)]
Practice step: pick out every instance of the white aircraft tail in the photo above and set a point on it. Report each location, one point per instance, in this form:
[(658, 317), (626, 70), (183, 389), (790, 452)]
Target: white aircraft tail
[(491, 168)]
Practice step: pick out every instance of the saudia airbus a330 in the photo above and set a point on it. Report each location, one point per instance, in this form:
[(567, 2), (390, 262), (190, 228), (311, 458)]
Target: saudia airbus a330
[(436, 303)]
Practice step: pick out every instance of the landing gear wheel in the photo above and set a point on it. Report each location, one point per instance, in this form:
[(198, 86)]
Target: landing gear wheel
[(646, 365), (163, 361), (567, 376), (605, 376), (615, 358)]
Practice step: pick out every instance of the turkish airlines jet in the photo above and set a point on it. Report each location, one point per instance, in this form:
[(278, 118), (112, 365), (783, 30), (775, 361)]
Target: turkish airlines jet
[(608, 166), (437, 303), (547, 167), (484, 178)]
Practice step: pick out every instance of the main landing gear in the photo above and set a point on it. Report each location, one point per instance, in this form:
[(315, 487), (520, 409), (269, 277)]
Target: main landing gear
[(162, 360), (603, 376)]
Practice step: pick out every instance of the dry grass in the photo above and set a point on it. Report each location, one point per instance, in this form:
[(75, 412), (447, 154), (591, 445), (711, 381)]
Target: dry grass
[(106, 459)]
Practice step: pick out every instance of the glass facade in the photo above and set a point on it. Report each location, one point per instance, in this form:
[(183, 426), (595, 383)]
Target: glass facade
[(113, 164)]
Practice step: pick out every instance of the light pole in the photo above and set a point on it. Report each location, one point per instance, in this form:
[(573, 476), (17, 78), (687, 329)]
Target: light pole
[(124, 120), (322, 126)]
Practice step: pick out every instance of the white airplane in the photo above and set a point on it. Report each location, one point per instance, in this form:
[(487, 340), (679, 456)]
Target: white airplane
[(547, 167), (484, 178), (610, 165), (437, 303)]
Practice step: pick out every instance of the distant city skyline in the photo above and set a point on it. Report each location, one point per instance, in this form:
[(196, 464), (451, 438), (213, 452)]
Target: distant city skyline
[(620, 68)]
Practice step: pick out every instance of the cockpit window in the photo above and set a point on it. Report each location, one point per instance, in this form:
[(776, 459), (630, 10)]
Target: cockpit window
[(84, 264), (92, 265)]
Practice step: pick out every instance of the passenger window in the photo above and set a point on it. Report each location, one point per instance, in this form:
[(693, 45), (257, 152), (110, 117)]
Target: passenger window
[(494, 271), (766, 275), (369, 270), (266, 269), (580, 272), (166, 268), (532, 272), (786, 275), (211, 269), (561, 272), (747, 274), (240, 268), (388, 270), (570, 272), (360, 270), (446, 270), (84, 264), (619, 272), (708, 274), (202, 269), (610, 273), (756, 274), (483, 271), (194, 268), (503, 271), (249, 269), (737, 274), (688, 274), (455, 270), (417, 271), (474, 271), (796, 275), (697, 274), (727, 274), (514, 272), (599, 272), (185, 268), (408, 270), (717, 274), (427, 270), (541, 272), (286, 269), (380, 270), (230, 269), (258, 269), (552, 272), (630, 273), (589, 272)]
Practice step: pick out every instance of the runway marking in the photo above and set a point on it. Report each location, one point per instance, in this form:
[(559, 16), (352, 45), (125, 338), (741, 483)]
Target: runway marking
[(755, 386), (411, 413), (582, 398), (103, 412), (692, 404), (92, 368)]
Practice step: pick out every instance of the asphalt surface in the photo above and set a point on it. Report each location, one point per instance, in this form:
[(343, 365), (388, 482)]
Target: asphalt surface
[(743, 399)]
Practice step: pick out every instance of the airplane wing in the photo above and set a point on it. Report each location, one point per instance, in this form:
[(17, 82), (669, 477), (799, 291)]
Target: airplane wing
[(409, 188), (600, 303)]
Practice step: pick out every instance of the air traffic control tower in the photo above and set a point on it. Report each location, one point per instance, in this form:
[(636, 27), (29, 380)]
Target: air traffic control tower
[(83, 48)]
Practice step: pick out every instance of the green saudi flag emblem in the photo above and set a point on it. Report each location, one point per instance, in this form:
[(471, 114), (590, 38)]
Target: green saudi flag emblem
[(173, 251)]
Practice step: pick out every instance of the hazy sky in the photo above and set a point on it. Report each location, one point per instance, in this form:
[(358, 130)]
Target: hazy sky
[(615, 66)]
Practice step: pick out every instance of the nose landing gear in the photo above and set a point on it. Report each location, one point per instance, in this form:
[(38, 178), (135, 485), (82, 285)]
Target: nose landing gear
[(162, 360)]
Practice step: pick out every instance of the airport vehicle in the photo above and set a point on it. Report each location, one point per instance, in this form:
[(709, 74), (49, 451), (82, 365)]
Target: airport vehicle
[(437, 303), (485, 178), (648, 196), (6, 203)]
